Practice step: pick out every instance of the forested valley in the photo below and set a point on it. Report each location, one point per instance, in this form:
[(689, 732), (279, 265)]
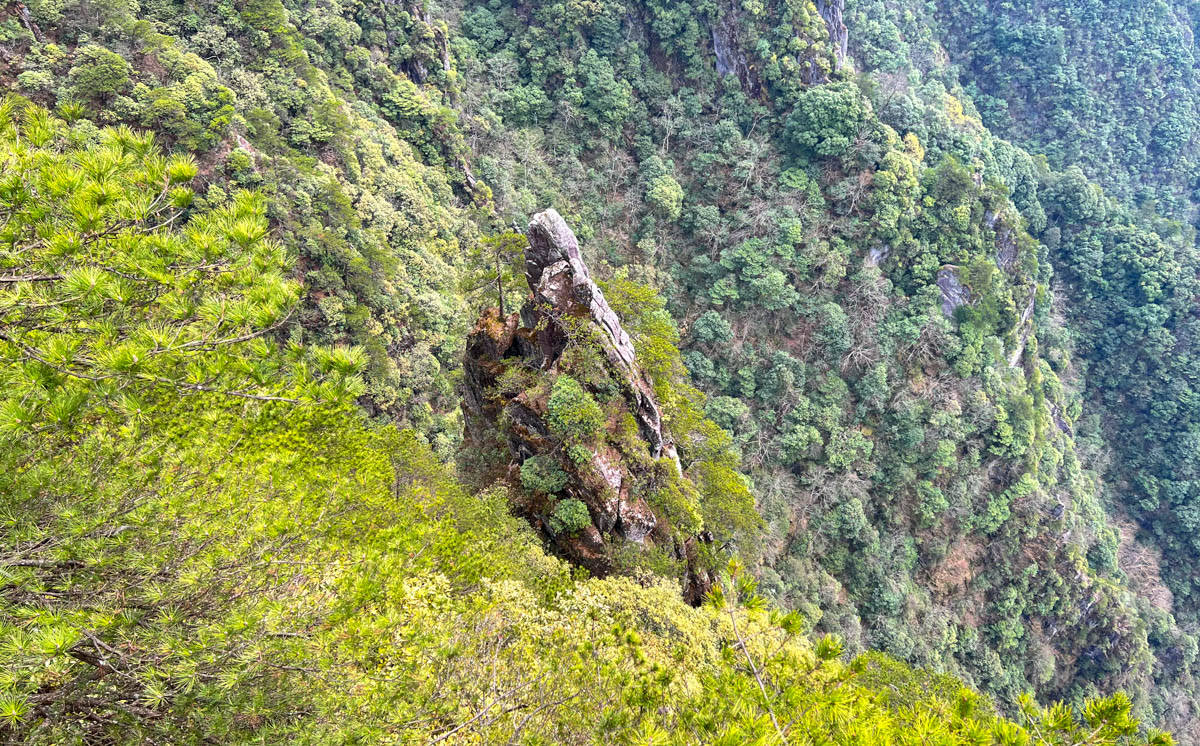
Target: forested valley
[(599, 371)]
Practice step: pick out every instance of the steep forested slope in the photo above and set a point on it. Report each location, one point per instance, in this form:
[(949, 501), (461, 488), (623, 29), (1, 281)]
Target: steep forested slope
[(1125, 277), (916, 461), (865, 283), (1107, 85)]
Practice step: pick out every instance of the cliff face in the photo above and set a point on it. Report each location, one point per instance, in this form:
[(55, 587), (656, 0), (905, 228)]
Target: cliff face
[(557, 394), (831, 12)]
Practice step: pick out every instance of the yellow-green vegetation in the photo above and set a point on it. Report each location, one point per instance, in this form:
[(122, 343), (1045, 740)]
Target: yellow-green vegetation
[(707, 454), (112, 291), (264, 572)]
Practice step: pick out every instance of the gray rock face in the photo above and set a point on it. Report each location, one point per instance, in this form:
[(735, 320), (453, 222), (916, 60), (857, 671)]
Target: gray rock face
[(831, 12), (1024, 328), (731, 57), (877, 256), (723, 52), (557, 275), (954, 293), (1007, 251)]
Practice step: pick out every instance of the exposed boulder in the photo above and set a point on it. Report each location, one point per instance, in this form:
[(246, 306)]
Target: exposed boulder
[(954, 292), (831, 12), (877, 256), (556, 393)]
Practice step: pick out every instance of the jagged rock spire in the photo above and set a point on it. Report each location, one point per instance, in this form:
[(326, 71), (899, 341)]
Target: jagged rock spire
[(621, 468), (559, 278)]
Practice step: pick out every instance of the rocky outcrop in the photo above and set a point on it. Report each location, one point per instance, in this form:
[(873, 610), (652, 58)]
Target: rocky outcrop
[(831, 12), (1024, 329), (727, 48), (30, 26), (954, 292), (734, 57), (621, 469), (563, 287)]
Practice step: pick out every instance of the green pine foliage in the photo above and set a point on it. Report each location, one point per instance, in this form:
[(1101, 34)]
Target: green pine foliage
[(114, 291)]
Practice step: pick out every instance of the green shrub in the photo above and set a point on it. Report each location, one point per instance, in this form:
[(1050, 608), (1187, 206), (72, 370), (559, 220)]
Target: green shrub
[(826, 120), (98, 74), (578, 454), (35, 81), (677, 499), (569, 516), (712, 328), (574, 414), (542, 474), (666, 196), (933, 503)]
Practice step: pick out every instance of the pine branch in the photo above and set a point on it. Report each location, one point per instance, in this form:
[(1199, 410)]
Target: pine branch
[(4, 279), (757, 676)]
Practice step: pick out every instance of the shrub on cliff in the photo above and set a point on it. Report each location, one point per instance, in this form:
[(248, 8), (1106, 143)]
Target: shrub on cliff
[(542, 474), (573, 413), (569, 516)]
